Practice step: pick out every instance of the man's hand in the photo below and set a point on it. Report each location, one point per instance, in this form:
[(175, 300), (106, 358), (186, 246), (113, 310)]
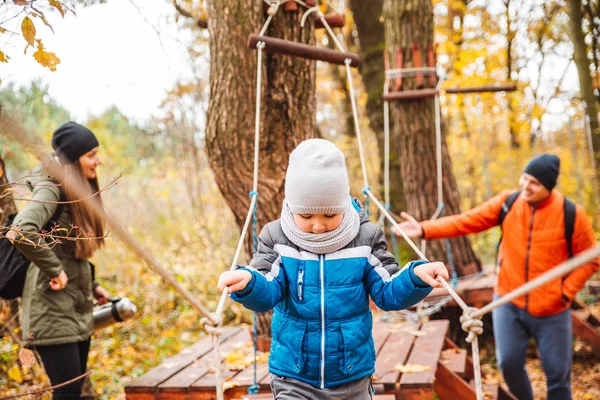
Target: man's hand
[(410, 226), (59, 282), (101, 295), (234, 280), (429, 272)]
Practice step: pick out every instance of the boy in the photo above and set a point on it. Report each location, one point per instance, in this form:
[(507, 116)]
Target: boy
[(317, 266)]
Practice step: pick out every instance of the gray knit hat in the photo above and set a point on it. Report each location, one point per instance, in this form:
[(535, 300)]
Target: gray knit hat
[(317, 181)]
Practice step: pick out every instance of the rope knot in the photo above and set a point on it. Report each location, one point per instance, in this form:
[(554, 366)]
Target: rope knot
[(253, 389), (366, 191), (273, 8), (470, 324), (210, 327), (252, 193)]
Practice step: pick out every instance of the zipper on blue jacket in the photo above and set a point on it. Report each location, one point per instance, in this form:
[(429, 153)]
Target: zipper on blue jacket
[(322, 274), (300, 285)]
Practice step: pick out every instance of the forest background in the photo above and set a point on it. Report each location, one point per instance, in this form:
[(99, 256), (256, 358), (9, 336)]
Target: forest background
[(169, 200)]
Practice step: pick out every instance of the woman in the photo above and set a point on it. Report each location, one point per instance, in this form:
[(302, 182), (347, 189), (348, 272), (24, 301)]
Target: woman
[(57, 297)]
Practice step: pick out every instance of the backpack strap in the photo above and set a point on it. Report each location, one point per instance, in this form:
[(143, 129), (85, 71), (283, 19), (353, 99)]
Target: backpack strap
[(58, 212), (508, 203), (569, 211), (506, 206)]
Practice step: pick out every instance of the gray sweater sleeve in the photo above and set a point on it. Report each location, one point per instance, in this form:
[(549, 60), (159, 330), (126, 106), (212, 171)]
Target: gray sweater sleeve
[(30, 220)]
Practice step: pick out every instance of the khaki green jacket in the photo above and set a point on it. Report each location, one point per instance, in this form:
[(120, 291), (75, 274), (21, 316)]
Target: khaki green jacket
[(52, 317)]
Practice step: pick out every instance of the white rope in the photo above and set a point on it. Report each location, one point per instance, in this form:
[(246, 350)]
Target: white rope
[(213, 328), (395, 224), (306, 14), (330, 31), (556, 272), (468, 312), (386, 155)]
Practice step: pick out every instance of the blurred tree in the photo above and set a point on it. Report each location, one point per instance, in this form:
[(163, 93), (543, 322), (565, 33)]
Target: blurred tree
[(287, 110), (409, 33), (582, 61), (7, 204), (369, 24)]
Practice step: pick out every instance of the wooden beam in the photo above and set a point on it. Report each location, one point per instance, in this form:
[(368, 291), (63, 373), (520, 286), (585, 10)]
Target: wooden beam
[(408, 95), (274, 45), (482, 89), (333, 20)]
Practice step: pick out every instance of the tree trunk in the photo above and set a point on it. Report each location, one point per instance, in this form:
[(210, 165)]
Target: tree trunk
[(371, 36), (287, 111), (408, 23), (585, 79), (7, 204)]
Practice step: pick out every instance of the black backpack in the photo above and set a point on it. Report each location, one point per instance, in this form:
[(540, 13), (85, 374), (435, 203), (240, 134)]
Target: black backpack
[(13, 264), (568, 209)]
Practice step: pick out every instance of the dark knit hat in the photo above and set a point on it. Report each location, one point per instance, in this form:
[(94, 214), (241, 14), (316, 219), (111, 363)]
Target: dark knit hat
[(71, 141), (545, 168)]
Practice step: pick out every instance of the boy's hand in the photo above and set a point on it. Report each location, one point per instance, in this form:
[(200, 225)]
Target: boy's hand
[(410, 226), (429, 272), (234, 280)]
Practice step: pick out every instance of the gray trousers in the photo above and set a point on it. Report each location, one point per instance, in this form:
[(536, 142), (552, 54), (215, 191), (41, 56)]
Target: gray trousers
[(513, 328), (292, 389)]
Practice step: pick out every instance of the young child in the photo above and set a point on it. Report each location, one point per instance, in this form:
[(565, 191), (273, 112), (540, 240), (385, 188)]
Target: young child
[(317, 266)]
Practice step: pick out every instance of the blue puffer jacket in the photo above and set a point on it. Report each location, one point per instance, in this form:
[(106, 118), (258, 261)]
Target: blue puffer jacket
[(322, 325)]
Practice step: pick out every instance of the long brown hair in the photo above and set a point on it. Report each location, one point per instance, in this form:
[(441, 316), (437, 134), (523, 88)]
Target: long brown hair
[(90, 224)]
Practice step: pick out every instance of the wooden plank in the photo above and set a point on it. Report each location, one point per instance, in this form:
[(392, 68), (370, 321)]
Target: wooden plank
[(450, 386), (468, 374), (172, 365), (245, 378), (586, 332), (394, 351), (381, 332), (180, 383), (206, 382), (426, 351), (455, 360)]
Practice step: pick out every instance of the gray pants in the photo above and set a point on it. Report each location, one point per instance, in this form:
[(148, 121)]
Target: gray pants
[(513, 328), (292, 389)]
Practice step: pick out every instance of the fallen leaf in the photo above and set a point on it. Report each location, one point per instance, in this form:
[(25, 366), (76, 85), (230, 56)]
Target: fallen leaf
[(409, 368), (26, 357)]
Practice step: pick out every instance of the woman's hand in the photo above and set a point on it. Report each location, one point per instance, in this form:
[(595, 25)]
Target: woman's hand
[(429, 273), (101, 295), (410, 226), (59, 282), (234, 280)]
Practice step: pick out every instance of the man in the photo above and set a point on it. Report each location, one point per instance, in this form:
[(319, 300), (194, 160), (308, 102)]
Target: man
[(533, 242)]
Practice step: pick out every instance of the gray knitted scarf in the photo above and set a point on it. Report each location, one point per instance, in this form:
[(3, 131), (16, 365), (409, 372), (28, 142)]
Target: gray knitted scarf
[(321, 243)]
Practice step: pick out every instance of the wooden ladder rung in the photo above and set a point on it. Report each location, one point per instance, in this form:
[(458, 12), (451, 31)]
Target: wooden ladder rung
[(407, 95), (274, 45)]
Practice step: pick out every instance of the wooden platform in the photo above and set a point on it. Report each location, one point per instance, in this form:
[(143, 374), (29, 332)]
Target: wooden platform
[(418, 350)]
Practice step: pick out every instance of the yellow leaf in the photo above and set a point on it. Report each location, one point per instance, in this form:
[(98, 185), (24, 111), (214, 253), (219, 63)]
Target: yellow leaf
[(56, 4), (28, 30), (3, 58), (45, 58), (14, 374), (409, 368)]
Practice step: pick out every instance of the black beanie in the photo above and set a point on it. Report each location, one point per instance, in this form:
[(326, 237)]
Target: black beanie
[(71, 141), (544, 168)]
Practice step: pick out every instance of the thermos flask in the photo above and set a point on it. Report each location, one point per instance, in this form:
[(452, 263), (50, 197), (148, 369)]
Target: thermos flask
[(116, 310)]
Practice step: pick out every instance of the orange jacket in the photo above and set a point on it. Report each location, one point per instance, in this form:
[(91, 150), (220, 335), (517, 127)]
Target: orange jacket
[(533, 242)]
